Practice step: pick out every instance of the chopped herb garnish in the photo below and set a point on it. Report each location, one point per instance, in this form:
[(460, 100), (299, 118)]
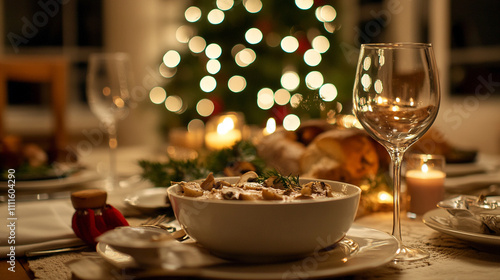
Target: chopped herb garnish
[(288, 182)]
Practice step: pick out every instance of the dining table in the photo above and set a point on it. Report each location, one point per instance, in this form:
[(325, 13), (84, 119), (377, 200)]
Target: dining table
[(43, 222)]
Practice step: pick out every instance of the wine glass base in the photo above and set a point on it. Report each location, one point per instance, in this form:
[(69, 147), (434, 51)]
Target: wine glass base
[(407, 254)]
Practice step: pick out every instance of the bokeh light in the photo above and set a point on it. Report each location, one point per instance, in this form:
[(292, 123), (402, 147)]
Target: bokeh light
[(290, 80), (295, 100), (312, 57), (253, 36), (273, 39), (320, 44), (205, 107), (213, 51), (215, 16), (184, 33), (236, 83), (328, 92), (314, 80), (367, 62), (366, 81), (265, 98), (291, 122), (289, 44), (236, 49), (282, 96), (378, 86), (157, 95), (172, 58), (166, 72), (213, 66), (195, 125), (197, 44), (245, 57), (326, 13), (252, 6), (304, 4), (173, 103), (192, 14), (208, 84), (224, 4)]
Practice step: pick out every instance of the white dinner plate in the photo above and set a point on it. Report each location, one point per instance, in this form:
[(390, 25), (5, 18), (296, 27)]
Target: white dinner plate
[(376, 248), (147, 200), (80, 177), (480, 238), (462, 169)]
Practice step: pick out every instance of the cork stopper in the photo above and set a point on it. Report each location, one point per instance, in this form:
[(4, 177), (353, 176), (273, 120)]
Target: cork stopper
[(92, 198)]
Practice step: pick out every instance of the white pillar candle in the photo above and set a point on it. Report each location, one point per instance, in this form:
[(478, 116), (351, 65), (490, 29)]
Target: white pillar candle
[(425, 188)]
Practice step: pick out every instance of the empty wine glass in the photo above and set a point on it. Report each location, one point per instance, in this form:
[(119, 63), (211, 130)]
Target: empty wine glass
[(396, 99), (108, 92)]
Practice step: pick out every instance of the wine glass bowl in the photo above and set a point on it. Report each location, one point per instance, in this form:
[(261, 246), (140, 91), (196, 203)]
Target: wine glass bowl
[(108, 93), (396, 99), (108, 86)]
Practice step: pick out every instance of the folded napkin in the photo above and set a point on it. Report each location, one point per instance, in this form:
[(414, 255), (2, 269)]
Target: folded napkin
[(37, 225)]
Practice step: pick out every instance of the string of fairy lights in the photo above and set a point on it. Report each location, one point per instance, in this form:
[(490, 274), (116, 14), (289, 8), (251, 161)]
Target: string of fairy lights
[(244, 55)]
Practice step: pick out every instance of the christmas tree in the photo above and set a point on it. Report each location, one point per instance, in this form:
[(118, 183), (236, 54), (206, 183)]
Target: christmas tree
[(266, 59)]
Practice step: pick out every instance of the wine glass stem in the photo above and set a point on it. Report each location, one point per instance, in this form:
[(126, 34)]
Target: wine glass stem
[(113, 143), (397, 159)]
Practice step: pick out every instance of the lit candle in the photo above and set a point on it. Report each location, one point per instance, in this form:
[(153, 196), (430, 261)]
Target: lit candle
[(425, 188), (225, 135)]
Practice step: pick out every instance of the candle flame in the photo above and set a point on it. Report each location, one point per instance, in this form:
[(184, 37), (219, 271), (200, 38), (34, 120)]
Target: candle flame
[(225, 126), (425, 168), (270, 126)]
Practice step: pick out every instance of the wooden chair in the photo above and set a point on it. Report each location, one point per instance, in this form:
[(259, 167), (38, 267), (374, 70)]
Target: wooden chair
[(38, 69)]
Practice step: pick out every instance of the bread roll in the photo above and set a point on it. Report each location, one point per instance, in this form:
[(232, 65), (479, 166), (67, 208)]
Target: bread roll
[(346, 155), (282, 151)]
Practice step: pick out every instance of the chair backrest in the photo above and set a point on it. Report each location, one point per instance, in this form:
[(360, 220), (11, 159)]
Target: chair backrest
[(38, 69)]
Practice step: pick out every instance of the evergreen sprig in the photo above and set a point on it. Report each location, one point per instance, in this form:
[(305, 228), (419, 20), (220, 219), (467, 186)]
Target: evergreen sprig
[(172, 170)]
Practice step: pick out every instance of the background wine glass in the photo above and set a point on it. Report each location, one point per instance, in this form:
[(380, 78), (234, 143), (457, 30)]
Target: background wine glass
[(396, 99), (108, 92)]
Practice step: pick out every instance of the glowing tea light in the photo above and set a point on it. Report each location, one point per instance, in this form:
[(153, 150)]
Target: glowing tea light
[(223, 131), (425, 185), (270, 126), (384, 197)]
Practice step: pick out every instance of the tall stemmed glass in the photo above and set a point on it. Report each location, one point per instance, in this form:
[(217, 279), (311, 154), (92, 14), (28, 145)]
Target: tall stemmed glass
[(108, 92), (396, 99)]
